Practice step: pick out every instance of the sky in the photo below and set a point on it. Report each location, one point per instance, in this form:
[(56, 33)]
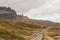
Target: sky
[(35, 9)]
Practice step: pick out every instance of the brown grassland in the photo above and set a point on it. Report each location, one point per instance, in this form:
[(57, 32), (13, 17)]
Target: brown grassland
[(17, 31)]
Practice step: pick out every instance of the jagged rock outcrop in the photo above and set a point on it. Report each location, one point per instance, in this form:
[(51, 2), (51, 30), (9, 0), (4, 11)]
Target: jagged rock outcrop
[(7, 13)]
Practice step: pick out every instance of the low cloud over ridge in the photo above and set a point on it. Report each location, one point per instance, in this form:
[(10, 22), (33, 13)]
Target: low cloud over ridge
[(36, 9)]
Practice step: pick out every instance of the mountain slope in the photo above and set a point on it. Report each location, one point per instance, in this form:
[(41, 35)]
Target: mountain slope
[(26, 19), (8, 14), (17, 31)]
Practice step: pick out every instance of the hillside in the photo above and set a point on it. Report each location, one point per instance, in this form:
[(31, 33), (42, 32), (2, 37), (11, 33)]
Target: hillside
[(17, 31), (26, 19), (19, 27), (52, 33), (8, 14)]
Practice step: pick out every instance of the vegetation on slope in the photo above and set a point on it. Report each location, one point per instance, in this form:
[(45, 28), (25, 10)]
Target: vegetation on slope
[(17, 31), (53, 33)]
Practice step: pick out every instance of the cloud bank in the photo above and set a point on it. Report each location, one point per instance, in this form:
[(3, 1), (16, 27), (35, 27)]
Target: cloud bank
[(36, 9), (48, 11)]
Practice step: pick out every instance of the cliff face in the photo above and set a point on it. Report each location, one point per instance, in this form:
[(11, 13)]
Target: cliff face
[(7, 13)]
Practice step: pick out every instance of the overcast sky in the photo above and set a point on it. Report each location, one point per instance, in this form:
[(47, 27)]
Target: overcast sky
[(36, 9)]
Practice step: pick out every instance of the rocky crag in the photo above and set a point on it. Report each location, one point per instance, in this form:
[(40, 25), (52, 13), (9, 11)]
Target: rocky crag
[(7, 13)]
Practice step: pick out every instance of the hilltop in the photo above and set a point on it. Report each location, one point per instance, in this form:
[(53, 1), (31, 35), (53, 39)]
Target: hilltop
[(8, 14), (26, 19)]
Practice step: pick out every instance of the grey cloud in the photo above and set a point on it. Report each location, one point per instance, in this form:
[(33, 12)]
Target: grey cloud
[(46, 11), (38, 9), (47, 8), (22, 5)]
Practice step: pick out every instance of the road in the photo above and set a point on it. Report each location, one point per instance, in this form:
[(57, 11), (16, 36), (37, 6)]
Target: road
[(40, 35)]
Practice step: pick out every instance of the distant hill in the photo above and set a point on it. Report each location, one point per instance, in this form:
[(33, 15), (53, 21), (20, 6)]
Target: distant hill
[(26, 19), (6, 13)]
